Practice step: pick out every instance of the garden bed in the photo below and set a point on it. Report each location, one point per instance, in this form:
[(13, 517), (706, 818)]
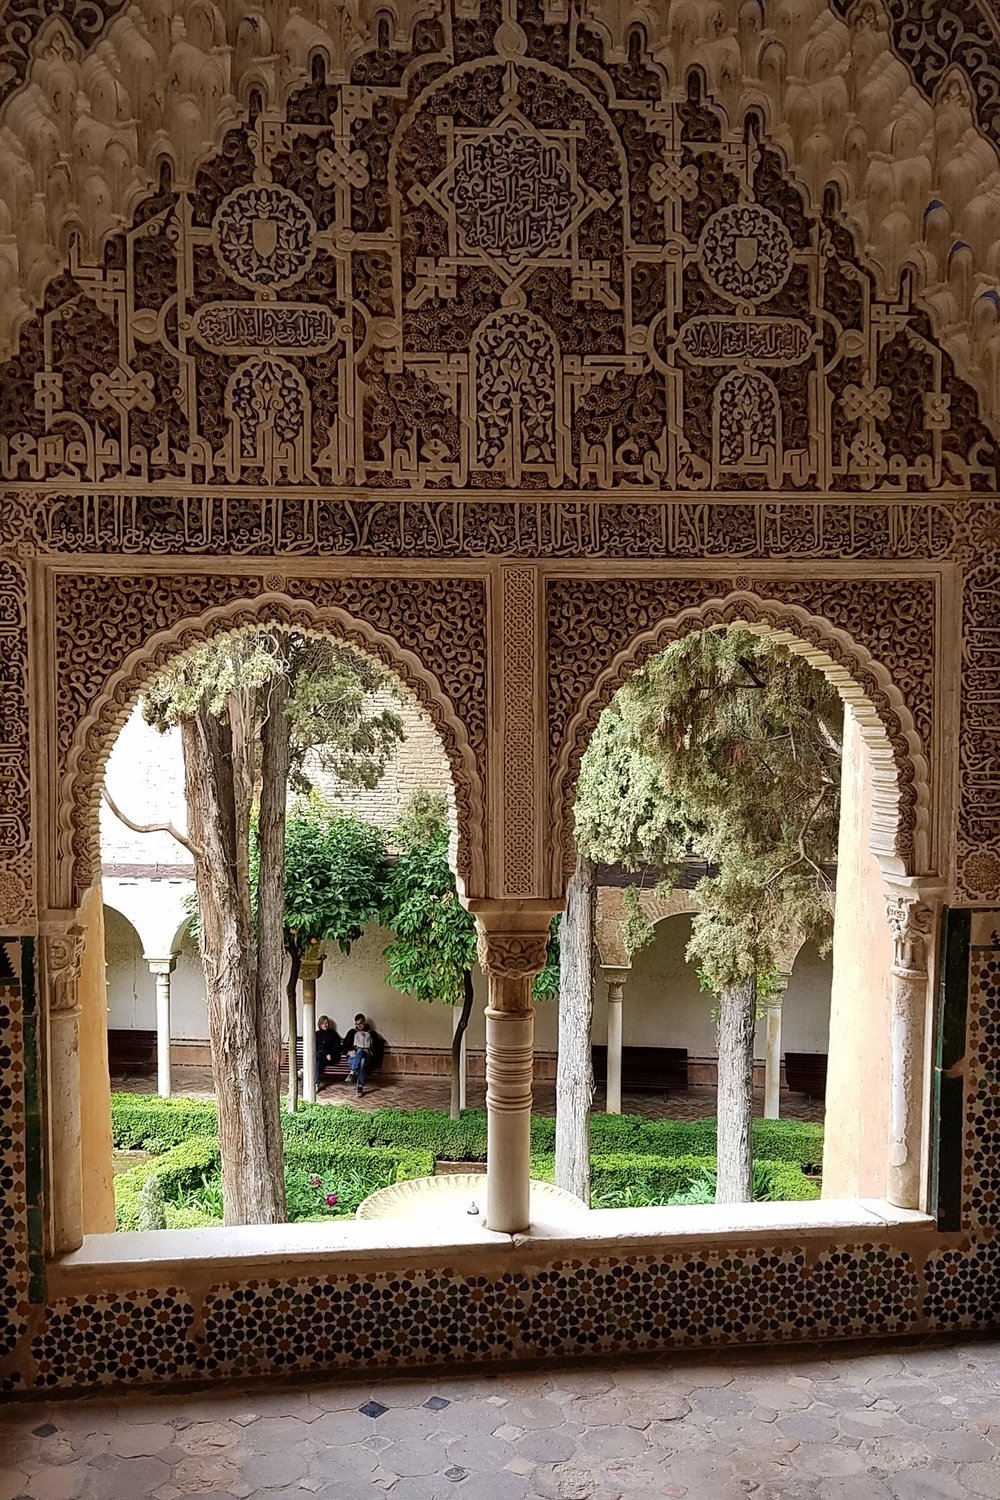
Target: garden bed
[(336, 1156)]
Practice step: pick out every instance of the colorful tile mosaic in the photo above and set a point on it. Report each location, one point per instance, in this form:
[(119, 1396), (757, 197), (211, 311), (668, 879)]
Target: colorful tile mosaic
[(982, 1076)]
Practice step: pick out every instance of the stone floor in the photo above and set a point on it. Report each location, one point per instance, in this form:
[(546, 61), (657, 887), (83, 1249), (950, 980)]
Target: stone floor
[(895, 1422), (415, 1092)]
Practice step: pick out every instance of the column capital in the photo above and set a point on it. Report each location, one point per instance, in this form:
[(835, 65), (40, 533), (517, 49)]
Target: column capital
[(312, 963), (911, 922), (63, 957), (615, 975), (161, 965), (512, 938)]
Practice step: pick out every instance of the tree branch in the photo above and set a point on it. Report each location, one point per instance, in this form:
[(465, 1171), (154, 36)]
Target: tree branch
[(186, 843)]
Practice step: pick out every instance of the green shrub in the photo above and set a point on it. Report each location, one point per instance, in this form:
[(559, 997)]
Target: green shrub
[(190, 1218), (179, 1170), (632, 1180), (189, 1185), (145, 1122), (651, 1179), (151, 1207)]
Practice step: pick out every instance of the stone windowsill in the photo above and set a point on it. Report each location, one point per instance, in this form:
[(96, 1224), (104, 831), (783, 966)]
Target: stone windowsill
[(116, 1260)]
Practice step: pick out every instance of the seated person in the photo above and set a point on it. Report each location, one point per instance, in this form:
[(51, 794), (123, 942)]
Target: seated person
[(364, 1051), (328, 1047)]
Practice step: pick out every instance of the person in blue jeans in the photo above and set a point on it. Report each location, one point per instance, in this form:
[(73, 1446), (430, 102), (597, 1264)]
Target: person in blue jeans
[(359, 1044)]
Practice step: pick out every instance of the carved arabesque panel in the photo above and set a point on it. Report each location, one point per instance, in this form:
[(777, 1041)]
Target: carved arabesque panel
[(510, 266), (16, 872), (113, 632), (596, 625)]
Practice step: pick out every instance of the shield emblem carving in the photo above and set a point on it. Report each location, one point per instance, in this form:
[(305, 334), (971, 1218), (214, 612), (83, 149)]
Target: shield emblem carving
[(265, 237), (747, 247)]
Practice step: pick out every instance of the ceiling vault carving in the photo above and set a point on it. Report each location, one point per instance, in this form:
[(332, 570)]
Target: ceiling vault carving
[(899, 110), (500, 259)]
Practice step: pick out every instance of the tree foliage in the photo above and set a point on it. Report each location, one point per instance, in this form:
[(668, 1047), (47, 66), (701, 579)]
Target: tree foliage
[(335, 871), (258, 710), (434, 936), (333, 723), (746, 738)]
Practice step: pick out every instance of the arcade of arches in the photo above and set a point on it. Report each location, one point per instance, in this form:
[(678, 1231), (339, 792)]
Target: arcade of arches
[(509, 340)]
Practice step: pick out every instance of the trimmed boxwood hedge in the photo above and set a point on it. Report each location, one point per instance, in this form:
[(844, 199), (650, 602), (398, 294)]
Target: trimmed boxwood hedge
[(146, 1122), (661, 1177), (183, 1167)]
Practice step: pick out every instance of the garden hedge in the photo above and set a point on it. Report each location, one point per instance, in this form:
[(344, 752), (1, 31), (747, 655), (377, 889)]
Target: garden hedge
[(182, 1168), (653, 1178), (146, 1122)]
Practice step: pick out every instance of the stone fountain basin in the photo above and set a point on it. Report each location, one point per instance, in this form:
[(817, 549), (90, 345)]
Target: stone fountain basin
[(451, 1196)]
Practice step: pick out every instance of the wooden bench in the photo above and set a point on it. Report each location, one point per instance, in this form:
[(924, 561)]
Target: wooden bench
[(131, 1051), (805, 1073), (646, 1069), (335, 1072)]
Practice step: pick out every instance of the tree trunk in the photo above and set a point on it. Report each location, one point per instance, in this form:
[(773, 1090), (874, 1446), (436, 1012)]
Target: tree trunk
[(575, 1074), (228, 951), (456, 1045), (292, 996), (275, 738), (737, 1019)]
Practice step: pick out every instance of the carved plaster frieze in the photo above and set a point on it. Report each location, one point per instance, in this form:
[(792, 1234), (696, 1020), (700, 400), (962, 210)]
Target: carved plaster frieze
[(87, 132)]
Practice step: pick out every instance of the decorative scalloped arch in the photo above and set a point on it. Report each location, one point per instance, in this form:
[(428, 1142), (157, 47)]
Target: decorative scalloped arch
[(900, 832), (78, 797)]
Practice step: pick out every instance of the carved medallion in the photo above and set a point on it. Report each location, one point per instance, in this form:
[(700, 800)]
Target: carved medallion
[(264, 236), (512, 193), (746, 252)]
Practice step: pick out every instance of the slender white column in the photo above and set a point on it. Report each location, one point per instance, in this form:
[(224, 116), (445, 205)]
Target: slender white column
[(62, 955), (161, 969), (312, 968), (616, 984), (511, 959), (772, 1057), (911, 923)]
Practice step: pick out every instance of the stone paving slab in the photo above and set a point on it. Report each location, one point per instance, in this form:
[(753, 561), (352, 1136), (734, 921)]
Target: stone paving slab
[(905, 1422)]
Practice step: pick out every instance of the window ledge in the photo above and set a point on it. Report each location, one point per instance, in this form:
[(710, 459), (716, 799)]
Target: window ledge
[(717, 1224), (114, 1261)]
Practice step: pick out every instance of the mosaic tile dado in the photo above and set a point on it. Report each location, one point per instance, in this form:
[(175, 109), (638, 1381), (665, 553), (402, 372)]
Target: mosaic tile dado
[(422, 1318)]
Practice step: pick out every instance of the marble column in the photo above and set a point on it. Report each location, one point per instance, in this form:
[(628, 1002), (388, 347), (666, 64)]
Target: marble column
[(62, 956), (615, 979), (772, 1055), (161, 970), (312, 968), (511, 952), (911, 923)]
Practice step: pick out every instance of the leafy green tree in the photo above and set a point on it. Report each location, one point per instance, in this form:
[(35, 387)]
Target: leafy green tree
[(257, 710), (746, 740), (434, 938), (434, 948), (623, 815), (335, 873)]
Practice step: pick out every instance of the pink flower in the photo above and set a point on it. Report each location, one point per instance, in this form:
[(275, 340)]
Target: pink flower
[(315, 1182), (331, 1199)]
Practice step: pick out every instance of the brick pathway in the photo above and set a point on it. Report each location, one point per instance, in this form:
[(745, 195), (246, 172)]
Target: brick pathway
[(892, 1423), (433, 1093)]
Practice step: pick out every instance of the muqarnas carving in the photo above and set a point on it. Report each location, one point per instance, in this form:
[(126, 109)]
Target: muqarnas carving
[(514, 264)]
